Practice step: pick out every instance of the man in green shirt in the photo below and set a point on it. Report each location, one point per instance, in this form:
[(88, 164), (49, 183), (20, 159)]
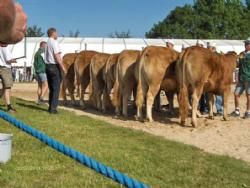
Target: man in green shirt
[(40, 71), (244, 81)]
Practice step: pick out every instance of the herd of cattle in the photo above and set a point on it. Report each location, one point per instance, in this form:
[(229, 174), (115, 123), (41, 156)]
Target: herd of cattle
[(114, 78)]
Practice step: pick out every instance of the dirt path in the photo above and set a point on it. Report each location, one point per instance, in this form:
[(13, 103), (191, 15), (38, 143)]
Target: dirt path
[(230, 138)]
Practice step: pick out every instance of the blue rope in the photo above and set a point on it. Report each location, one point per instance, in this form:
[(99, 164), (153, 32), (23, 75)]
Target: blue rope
[(81, 158)]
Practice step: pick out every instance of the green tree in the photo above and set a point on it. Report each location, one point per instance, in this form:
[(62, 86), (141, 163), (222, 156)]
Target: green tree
[(34, 31), (74, 34), (177, 24), (248, 4), (123, 34), (226, 19)]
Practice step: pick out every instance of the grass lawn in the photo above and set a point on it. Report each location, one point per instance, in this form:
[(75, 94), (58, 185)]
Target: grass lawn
[(153, 160)]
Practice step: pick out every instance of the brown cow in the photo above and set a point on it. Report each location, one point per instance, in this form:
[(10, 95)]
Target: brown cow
[(200, 70), (153, 68), (69, 77), (97, 66), (109, 76), (125, 80), (170, 86), (82, 74)]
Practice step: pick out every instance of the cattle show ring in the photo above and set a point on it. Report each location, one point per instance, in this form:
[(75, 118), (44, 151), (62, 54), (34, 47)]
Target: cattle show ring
[(153, 104), (228, 139)]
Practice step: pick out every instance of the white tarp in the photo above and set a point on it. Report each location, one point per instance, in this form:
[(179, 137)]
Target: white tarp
[(111, 45)]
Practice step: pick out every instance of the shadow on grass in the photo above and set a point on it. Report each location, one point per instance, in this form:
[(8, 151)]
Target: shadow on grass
[(30, 106)]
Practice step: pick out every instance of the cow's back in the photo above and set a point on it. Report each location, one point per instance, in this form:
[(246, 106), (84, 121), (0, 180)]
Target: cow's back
[(158, 63), (83, 61), (126, 63), (69, 59), (98, 62), (222, 74), (110, 68)]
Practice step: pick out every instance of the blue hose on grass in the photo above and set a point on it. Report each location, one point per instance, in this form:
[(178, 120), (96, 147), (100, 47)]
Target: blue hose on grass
[(81, 158)]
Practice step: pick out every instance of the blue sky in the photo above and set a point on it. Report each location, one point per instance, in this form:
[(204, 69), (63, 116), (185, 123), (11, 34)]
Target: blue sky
[(99, 18)]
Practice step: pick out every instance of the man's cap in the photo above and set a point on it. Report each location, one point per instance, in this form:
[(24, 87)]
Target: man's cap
[(200, 42), (170, 41), (247, 41), (212, 44)]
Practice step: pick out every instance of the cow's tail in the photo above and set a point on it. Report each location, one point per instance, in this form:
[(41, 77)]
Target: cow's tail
[(77, 77), (63, 86), (116, 93), (183, 90), (91, 88), (140, 94)]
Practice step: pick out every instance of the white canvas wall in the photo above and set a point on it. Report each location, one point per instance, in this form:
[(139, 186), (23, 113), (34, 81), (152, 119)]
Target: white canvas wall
[(110, 45)]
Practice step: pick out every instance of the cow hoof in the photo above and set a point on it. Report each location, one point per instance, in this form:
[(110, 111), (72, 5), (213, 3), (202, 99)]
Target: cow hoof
[(140, 119), (225, 118), (136, 118), (73, 104), (171, 114), (194, 124), (211, 117), (199, 115), (81, 103), (117, 116), (123, 118), (148, 120), (183, 123), (99, 110), (83, 107)]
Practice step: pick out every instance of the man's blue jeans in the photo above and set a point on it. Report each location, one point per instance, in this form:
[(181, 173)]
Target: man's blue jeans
[(219, 103)]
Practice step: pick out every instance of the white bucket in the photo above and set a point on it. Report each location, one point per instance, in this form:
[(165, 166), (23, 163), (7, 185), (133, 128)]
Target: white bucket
[(5, 147)]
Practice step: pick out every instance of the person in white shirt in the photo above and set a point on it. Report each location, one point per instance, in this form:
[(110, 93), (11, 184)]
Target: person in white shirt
[(54, 66), (6, 75)]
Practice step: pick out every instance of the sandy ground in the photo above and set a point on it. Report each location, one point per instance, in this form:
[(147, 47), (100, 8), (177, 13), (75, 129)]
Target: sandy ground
[(230, 138)]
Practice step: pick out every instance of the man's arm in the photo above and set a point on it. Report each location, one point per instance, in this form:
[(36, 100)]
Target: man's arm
[(60, 62), (11, 61), (8, 56)]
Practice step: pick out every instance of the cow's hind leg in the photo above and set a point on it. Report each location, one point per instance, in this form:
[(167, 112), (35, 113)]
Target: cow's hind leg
[(84, 85), (99, 89), (141, 94), (195, 100), (127, 92), (170, 97), (134, 97), (157, 102), (63, 91), (105, 99), (152, 92), (71, 90), (118, 93), (98, 100)]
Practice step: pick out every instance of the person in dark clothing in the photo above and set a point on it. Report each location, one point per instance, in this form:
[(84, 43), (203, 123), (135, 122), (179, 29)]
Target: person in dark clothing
[(54, 65)]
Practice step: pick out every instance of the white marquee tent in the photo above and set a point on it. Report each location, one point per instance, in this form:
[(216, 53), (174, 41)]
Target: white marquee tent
[(29, 46)]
